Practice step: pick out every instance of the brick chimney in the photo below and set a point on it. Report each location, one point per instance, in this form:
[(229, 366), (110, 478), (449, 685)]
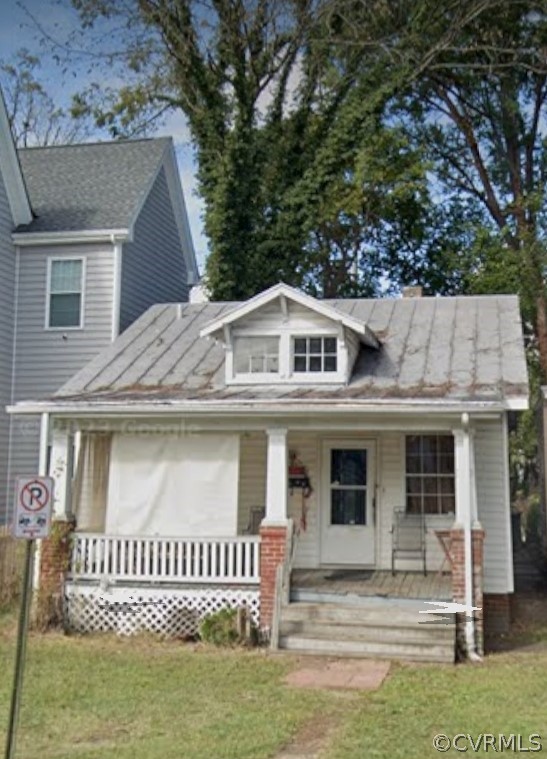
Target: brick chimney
[(415, 291)]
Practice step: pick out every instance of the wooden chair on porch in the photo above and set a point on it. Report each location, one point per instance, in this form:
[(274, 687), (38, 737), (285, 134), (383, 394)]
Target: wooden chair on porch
[(408, 538), (256, 515)]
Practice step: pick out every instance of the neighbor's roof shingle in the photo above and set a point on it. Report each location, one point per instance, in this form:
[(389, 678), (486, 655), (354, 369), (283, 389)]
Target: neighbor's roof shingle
[(75, 188), (461, 348)]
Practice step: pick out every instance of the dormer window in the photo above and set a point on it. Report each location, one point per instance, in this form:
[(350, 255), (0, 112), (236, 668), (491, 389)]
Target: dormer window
[(314, 354), (256, 355), (283, 336)]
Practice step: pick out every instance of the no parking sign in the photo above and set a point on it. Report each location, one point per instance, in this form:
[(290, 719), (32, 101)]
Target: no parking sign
[(33, 501)]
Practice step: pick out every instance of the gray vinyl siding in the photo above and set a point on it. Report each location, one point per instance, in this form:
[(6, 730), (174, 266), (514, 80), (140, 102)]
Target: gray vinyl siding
[(46, 359), (153, 266), (7, 290)]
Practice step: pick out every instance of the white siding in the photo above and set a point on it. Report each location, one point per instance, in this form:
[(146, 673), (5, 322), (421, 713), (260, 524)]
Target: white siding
[(307, 448), (270, 317), (252, 489), (252, 476), (7, 291), (390, 493), (391, 496), (491, 491), (493, 506)]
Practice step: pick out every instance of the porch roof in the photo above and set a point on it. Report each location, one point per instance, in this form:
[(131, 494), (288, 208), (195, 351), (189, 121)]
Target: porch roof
[(453, 350)]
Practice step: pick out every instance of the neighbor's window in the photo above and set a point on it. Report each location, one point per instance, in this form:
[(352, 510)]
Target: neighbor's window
[(65, 292), (430, 486), (314, 354), (256, 355)]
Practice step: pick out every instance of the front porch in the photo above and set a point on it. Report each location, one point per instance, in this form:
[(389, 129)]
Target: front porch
[(167, 522), (169, 585), (163, 585), (334, 585)]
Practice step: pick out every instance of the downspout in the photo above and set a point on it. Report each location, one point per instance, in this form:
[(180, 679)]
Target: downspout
[(468, 514)]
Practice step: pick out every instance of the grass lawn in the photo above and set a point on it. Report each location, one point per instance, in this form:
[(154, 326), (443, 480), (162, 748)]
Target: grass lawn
[(141, 699), (102, 697), (506, 694)]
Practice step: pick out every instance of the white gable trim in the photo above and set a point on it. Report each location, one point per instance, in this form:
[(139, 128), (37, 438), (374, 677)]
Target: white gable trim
[(286, 292), (21, 211), (26, 239)]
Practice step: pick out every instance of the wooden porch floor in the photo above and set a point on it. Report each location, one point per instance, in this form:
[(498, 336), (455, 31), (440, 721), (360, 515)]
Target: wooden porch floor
[(402, 585)]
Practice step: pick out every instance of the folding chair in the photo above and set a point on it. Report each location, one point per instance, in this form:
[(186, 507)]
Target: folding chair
[(408, 537)]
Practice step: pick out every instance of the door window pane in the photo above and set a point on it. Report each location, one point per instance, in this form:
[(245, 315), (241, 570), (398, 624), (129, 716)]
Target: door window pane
[(348, 467), (348, 507)]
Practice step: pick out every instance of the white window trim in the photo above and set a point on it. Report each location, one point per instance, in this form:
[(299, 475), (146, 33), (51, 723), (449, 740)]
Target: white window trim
[(286, 375), (258, 374), (50, 261), (432, 517), (308, 355)]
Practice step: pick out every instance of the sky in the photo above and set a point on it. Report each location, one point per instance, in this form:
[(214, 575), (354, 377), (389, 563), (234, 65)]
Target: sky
[(17, 31)]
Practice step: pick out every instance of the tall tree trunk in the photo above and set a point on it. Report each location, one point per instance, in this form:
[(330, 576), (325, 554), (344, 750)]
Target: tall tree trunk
[(541, 330)]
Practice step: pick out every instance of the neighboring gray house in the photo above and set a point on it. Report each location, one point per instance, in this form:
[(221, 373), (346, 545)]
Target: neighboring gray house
[(90, 236)]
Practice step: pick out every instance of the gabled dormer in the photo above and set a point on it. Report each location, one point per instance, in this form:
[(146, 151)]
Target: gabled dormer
[(285, 336)]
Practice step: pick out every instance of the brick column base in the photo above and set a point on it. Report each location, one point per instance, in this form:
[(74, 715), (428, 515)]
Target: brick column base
[(457, 552), (497, 613), (54, 564), (273, 546)]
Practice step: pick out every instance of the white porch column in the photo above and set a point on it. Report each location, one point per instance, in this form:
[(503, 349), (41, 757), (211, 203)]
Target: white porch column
[(277, 483), (60, 468), (463, 470), (466, 518)]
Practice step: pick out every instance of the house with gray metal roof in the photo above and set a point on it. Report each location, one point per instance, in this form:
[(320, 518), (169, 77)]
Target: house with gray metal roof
[(337, 468), (91, 236)]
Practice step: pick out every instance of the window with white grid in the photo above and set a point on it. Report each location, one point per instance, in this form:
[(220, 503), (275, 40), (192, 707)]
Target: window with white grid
[(430, 480), (314, 354), (65, 293)]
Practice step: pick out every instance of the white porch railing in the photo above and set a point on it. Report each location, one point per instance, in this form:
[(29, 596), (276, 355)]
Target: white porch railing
[(234, 560)]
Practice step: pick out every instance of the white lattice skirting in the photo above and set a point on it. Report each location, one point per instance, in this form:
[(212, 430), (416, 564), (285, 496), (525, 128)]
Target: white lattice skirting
[(170, 612)]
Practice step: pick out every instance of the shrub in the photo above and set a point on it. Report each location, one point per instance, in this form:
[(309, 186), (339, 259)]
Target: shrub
[(229, 627), (220, 628)]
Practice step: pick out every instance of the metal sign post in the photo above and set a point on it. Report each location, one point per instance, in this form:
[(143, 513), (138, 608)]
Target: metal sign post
[(34, 496), (22, 632)]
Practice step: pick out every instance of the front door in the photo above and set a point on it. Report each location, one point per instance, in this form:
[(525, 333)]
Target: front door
[(347, 495)]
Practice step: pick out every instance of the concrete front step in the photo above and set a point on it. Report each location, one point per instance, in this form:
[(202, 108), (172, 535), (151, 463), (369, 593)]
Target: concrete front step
[(358, 649), (386, 631)]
